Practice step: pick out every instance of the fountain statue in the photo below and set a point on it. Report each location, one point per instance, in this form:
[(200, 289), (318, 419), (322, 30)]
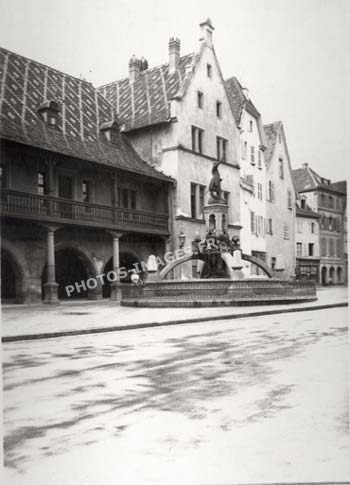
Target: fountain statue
[(221, 280)]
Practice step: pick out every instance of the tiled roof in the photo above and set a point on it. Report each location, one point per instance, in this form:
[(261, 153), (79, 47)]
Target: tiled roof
[(341, 186), (307, 179), (237, 98), (145, 101), (307, 212), (271, 132), (25, 85)]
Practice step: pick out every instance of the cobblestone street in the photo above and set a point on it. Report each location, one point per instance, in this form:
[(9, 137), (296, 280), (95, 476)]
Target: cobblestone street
[(196, 403)]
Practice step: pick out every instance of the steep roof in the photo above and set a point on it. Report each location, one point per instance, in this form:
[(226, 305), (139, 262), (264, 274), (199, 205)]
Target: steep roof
[(145, 101), (307, 179), (25, 85), (271, 131), (238, 99), (306, 212)]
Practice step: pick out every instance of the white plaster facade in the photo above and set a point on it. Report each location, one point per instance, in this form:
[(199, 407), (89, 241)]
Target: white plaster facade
[(281, 209)]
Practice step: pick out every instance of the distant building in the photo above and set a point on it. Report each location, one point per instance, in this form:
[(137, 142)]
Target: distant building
[(329, 201), (179, 118), (76, 199), (307, 242), (252, 172), (281, 196)]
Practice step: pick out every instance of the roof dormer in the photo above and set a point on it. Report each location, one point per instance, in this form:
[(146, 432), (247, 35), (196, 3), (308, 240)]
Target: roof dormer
[(49, 111), (110, 130)]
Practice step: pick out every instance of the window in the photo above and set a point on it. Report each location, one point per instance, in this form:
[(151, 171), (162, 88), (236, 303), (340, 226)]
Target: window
[(197, 139), (269, 226), (338, 248), (273, 263), (244, 148), (252, 222), (322, 200), (259, 159), (200, 99), (226, 197), (312, 228), (201, 201), (323, 247), (252, 155), (127, 198), (86, 191), (250, 126), (218, 109), (193, 201), (303, 203), (331, 247), (289, 195), (221, 149), (330, 224), (3, 177), (209, 70), (299, 249), (281, 169), (197, 201), (279, 138), (311, 249), (271, 192), (260, 191), (299, 227), (41, 183), (286, 231), (330, 202)]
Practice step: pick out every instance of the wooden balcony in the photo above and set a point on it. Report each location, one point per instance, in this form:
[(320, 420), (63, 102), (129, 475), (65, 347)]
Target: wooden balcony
[(52, 209)]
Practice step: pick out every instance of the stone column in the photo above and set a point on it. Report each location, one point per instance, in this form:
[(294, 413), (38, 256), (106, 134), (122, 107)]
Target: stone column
[(116, 294), (51, 287)]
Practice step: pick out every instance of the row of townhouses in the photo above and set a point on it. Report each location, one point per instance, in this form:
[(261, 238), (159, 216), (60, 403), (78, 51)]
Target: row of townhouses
[(97, 179)]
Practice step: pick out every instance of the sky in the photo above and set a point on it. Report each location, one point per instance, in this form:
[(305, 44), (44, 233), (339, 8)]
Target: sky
[(292, 55)]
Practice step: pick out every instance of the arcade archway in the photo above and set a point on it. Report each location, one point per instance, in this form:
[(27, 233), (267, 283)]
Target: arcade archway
[(127, 260), (11, 279)]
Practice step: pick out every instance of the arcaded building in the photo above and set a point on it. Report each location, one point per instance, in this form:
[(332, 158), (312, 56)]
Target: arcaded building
[(329, 201), (76, 199)]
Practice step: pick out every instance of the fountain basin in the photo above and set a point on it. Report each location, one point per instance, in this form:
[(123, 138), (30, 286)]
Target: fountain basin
[(218, 292)]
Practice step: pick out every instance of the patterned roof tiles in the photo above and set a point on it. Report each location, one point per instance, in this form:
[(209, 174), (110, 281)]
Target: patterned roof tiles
[(145, 101), (25, 85)]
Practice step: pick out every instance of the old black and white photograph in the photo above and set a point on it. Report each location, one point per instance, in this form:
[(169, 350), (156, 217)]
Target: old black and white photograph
[(174, 251)]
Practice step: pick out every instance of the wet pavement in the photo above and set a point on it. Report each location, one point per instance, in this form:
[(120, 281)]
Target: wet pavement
[(249, 400)]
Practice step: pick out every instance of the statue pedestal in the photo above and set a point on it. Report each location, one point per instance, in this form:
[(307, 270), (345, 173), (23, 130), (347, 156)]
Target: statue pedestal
[(216, 215)]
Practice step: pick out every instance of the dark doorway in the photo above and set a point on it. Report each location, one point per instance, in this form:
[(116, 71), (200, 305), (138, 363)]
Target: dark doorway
[(331, 275), (8, 279), (324, 276), (128, 261), (70, 269), (339, 275)]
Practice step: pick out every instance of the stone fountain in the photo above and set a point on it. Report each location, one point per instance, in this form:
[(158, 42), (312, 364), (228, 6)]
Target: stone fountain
[(221, 281)]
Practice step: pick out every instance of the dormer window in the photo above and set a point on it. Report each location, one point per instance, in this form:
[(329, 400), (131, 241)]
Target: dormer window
[(111, 131), (303, 203), (49, 112)]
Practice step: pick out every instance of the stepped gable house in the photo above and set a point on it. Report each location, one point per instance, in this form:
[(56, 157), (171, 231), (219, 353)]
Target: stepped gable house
[(179, 118), (76, 198)]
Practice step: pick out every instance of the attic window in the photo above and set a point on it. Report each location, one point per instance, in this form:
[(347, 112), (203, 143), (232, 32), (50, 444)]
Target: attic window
[(111, 131), (49, 111), (209, 70), (303, 203)]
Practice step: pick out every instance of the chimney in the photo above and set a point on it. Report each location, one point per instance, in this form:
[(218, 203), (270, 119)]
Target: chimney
[(304, 165), (174, 54), (207, 30), (134, 69)]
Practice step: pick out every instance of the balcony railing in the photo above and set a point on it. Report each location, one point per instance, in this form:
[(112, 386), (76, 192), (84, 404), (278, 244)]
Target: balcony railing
[(32, 206)]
